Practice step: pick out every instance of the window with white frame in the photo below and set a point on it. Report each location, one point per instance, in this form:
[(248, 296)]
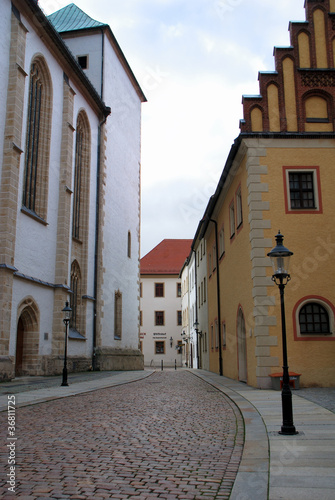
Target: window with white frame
[(221, 243), (232, 219), (314, 319), (239, 214), (224, 335), (302, 187)]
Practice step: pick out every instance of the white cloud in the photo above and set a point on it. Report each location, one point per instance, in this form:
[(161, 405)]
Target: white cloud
[(194, 61)]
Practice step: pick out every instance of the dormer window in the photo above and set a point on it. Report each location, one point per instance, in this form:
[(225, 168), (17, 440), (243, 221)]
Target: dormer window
[(83, 62)]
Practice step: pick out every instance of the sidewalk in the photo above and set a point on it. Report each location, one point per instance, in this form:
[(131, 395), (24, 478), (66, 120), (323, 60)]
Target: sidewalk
[(273, 467), (77, 385), (279, 467)]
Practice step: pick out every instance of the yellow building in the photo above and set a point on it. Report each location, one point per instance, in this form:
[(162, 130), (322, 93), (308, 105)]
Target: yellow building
[(279, 176)]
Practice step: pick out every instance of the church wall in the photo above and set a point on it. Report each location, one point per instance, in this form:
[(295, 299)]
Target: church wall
[(5, 26), (121, 208)]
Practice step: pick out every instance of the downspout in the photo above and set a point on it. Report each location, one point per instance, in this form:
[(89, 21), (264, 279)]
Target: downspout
[(196, 305), (218, 294), (97, 213)]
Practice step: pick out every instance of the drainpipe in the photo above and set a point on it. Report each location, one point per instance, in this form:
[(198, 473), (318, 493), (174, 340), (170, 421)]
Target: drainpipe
[(196, 305), (97, 214), (218, 293)]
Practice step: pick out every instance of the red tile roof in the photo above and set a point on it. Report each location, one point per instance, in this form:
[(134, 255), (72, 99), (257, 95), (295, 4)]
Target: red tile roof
[(167, 257)]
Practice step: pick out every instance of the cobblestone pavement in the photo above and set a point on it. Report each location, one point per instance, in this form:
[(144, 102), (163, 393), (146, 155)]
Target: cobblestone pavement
[(169, 436)]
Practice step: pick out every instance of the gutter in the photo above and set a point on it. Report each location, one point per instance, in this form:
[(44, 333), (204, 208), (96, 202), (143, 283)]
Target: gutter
[(96, 249)]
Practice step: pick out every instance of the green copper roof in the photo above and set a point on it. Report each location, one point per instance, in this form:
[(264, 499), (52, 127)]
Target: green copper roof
[(71, 18)]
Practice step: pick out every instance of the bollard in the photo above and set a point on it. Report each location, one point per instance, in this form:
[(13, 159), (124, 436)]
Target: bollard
[(162, 365), (175, 364)]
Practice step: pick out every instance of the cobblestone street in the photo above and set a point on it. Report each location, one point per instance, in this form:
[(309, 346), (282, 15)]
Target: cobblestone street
[(169, 436)]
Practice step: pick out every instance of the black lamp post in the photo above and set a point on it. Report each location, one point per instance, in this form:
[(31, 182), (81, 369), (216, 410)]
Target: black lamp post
[(67, 316), (280, 257)]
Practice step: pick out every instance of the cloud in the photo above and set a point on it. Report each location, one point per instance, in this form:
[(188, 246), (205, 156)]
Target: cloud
[(194, 61)]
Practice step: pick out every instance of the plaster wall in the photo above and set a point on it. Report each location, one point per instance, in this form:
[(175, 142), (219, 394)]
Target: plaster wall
[(310, 237), (170, 304)]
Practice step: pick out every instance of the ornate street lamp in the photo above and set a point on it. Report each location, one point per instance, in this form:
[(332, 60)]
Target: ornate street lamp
[(171, 341), (67, 316), (280, 258)]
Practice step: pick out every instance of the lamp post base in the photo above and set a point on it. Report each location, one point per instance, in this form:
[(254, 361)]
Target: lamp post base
[(288, 431), (64, 381)]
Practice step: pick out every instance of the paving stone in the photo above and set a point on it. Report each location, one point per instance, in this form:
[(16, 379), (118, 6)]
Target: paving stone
[(138, 440)]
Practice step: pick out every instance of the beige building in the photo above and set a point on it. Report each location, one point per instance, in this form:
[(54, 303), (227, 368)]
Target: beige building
[(279, 175)]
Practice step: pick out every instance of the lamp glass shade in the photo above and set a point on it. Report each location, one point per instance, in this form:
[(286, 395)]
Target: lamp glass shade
[(67, 311), (280, 264)]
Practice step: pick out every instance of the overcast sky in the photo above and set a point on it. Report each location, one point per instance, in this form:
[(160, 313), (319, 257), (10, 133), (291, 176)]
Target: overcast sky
[(194, 59)]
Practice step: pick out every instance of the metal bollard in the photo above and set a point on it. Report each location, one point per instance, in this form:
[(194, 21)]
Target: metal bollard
[(162, 365), (175, 364)]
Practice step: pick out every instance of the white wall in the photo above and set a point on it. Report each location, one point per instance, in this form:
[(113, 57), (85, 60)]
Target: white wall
[(170, 304), (36, 244), (122, 203)]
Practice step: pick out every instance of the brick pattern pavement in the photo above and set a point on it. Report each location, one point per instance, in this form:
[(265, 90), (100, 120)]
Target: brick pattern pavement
[(170, 436)]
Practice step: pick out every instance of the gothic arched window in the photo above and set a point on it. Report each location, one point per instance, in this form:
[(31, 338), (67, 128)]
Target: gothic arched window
[(36, 175)]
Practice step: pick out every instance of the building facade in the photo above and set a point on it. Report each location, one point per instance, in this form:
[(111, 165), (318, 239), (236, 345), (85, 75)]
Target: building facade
[(61, 202), (279, 175), (161, 304)]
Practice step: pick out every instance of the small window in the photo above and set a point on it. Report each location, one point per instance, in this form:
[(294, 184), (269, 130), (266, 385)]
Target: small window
[(232, 220), (239, 214), (221, 243), (216, 334), (141, 318), (83, 61), (224, 336), (159, 289), (129, 245), (178, 289), (179, 318), (159, 318), (159, 347), (214, 258), (302, 190), (118, 316), (314, 320)]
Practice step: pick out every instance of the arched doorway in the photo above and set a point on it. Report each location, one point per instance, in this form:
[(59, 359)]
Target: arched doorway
[(27, 339), (19, 348), (241, 347)]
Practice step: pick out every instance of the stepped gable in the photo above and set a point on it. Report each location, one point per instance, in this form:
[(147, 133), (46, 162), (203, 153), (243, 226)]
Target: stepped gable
[(299, 95)]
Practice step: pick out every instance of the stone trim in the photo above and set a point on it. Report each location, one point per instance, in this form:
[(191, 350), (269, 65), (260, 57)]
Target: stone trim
[(260, 262), (64, 220), (10, 174)]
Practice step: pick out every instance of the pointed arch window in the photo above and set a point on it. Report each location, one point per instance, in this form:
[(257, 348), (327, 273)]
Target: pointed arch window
[(118, 315), (36, 174), (81, 177)]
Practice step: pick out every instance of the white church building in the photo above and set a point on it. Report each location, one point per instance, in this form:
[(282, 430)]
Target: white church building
[(70, 142)]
